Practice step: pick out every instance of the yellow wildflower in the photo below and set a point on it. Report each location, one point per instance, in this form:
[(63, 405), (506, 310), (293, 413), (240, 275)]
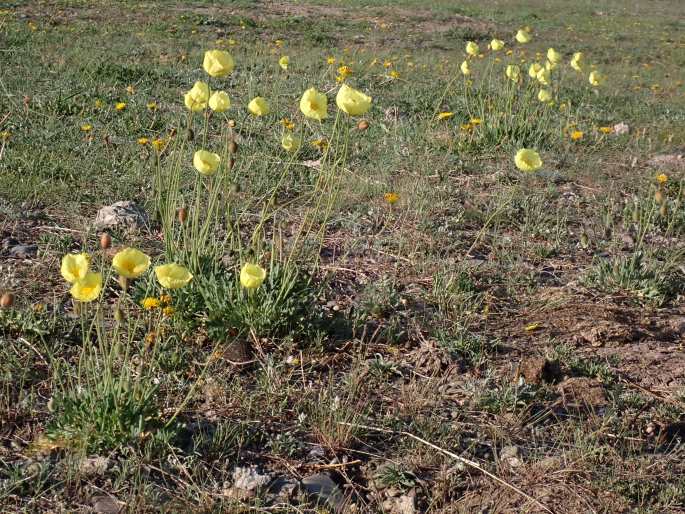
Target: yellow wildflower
[(150, 303), (391, 198), (527, 160), (120, 106), (130, 263), (218, 63), (445, 115), (86, 127), (576, 135), (88, 288), (662, 178), (252, 276), (172, 276)]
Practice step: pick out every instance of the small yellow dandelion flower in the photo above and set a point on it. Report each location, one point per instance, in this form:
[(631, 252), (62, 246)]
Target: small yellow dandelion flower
[(662, 178), (527, 160), (287, 124), (252, 276), (606, 130), (99, 104), (321, 144), (445, 115), (391, 198), (283, 62), (130, 90), (151, 106), (165, 299), (206, 163), (475, 121), (150, 303), (168, 311), (86, 127), (120, 106), (159, 144), (344, 71), (577, 135), (172, 276), (394, 74), (387, 64), (258, 106), (330, 59), (5, 135), (88, 288), (143, 141), (130, 263)]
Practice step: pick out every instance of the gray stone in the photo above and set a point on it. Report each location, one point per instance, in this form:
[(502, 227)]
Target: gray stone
[(322, 486), (125, 214), (405, 504), (23, 251), (107, 505), (94, 466), (249, 478)]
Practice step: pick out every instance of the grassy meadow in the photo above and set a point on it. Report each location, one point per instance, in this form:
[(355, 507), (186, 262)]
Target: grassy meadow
[(448, 279)]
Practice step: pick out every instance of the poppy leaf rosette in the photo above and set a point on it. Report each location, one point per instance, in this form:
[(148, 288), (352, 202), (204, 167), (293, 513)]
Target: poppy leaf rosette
[(218, 63), (259, 106), (527, 160), (314, 104), (88, 288), (352, 101), (196, 99), (206, 163), (74, 266), (252, 276), (219, 101), (172, 275), (130, 263)]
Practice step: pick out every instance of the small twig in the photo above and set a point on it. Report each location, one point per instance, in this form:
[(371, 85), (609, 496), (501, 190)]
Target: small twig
[(461, 459), (339, 465)]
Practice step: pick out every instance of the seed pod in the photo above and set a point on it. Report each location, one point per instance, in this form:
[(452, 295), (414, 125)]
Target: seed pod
[(105, 240), (231, 123), (659, 196), (123, 282), (363, 125), (182, 215), (636, 214), (233, 147), (663, 210), (7, 300), (231, 162), (584, 240), (191, 134)]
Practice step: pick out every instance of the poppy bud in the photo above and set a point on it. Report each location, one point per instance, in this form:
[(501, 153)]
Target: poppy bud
[(663, 210), (232, 147), (363, 125), (659, 196), (105, 240), (182, 215), (7, 300), (231, 123)]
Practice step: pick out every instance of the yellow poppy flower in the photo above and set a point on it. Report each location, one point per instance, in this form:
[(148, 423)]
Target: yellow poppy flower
[(314, 104), (130, 263), (252, 276), (534, 69), (544, 77), (258, 106), (577, 61), (206, 162), (283, 62), (523, 36), (290, 142), (472, 48), (172, 276), (513, 72), (196, 99), (445, 115), (553, 56), (88, 288), (596, 78), (219, 101), (218, 63), (544, 95), (352, 101), (496, 45), (527, 160), (465, 70), (74, 266)]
